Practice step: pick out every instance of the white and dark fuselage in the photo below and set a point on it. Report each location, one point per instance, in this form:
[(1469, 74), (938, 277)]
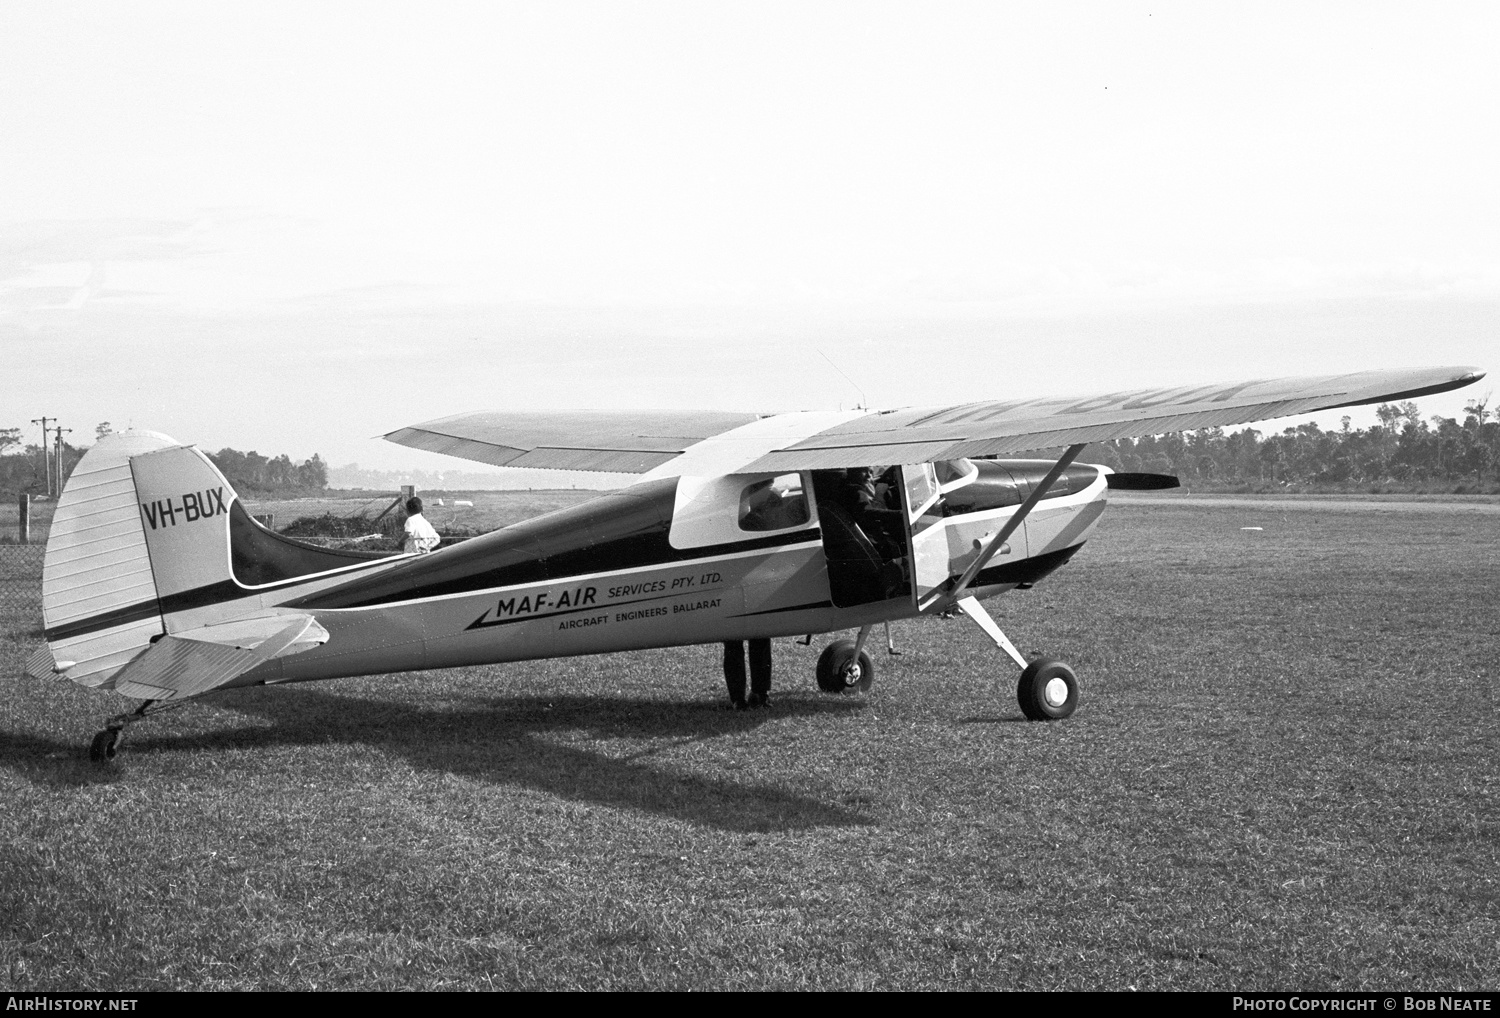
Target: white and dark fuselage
[(150, 543), (665, 563)]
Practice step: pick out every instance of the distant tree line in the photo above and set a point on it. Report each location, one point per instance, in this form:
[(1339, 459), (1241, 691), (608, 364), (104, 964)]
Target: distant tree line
[(352, 475), (1402, 452), (21, 466), (249, 472)]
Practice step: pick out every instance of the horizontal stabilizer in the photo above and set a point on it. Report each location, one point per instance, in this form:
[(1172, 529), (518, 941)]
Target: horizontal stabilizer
[(42, 665), (1141, 482), (194, 662)]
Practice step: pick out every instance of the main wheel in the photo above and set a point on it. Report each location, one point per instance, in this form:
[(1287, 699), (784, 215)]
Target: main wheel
[(838, 672), (1048, 690), (105, 745)]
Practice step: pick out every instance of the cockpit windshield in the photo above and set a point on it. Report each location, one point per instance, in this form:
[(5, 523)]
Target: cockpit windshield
[(955, 473)]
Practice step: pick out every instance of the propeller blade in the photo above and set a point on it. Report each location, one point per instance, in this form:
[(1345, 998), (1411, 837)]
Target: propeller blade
[(1141, 482)]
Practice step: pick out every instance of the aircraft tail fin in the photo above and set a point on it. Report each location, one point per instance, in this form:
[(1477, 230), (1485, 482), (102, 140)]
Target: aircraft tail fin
[(142, 526), (158, 584)]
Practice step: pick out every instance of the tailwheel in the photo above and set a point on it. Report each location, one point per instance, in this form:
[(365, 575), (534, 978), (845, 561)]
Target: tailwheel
[(840, 672), (1048, 690), (105, 745)]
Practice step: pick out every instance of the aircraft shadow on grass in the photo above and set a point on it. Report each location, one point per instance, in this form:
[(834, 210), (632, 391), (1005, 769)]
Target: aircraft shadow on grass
[(501, 740)]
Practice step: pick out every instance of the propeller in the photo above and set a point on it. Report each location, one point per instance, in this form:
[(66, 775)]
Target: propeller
[(1141, 482)]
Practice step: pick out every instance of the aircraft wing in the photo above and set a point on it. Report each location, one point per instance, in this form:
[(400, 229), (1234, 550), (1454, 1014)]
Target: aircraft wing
[(1007, 427), (625, 441), (666, 442)]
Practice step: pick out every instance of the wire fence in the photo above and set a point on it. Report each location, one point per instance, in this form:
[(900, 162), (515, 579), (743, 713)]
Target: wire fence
[(21, 591)]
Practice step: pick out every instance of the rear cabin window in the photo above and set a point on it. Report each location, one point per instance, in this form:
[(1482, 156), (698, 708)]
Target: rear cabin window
[(775, 504)]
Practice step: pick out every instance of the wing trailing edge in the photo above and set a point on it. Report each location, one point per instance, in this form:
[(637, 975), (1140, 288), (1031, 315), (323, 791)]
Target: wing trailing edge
[(620, 441)]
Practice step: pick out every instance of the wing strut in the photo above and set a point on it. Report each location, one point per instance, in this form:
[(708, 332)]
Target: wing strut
[(971, 607), (998, 541)]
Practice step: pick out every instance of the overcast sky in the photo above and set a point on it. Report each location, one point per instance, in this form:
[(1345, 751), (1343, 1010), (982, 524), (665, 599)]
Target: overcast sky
[(294, 227)]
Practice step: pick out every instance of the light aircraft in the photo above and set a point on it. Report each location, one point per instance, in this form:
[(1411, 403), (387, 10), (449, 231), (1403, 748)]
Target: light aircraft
[(158, 584)]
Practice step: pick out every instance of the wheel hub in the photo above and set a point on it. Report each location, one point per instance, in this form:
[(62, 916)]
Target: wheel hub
[(1056, 692), (853, 673)]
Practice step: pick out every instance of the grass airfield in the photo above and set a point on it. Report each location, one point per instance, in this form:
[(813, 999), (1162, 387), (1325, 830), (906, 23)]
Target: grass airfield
[(1283, 776)]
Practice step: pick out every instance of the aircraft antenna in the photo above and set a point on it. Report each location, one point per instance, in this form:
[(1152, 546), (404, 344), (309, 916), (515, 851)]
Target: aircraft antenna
[(863, 403)]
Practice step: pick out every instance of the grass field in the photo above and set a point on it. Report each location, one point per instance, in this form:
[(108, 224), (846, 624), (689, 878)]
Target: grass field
[(1283, 776)]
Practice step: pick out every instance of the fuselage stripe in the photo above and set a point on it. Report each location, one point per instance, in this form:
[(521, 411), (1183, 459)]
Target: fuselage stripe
[(812, 538), (812, 606)]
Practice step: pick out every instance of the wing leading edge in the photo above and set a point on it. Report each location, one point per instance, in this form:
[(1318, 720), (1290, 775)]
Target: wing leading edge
[(649, 440)]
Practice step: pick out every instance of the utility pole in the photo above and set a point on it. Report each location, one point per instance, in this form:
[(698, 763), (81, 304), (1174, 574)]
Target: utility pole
[(46, 462), (57, 460)]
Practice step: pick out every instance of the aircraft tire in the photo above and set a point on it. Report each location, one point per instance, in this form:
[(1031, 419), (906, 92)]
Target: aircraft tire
[(1048, 690), (104, 746), (833, 665)]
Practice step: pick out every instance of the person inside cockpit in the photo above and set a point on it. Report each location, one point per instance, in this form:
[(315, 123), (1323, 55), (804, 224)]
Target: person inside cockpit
[(862, 535), (868, 495)]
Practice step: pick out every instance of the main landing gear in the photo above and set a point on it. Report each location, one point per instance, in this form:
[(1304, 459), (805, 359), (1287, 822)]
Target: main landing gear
[(845, 666), (1048, 689)]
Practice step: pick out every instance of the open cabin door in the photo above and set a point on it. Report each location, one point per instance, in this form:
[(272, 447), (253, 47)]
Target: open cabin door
[(866, 542), (922, 504)]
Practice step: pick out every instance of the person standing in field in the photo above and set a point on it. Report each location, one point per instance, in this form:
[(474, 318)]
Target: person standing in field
[(420, 537)]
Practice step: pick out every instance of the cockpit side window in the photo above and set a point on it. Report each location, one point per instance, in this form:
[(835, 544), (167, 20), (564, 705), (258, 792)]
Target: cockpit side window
[(774, 504)]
